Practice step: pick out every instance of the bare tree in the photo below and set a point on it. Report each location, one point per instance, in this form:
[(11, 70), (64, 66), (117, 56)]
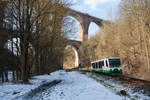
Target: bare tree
[(39, 31)]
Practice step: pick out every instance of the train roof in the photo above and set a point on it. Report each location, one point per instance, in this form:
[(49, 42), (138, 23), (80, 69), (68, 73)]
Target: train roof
[(106, 58)]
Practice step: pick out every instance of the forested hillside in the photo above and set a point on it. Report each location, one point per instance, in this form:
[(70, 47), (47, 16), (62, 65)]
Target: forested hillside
[(128, 37)]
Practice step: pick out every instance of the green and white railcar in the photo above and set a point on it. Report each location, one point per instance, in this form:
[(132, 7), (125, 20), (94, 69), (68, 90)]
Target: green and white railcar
[(110, 66)]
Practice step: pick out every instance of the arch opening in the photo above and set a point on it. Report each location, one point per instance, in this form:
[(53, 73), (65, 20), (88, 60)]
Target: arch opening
[(71, 59), (74, 28), (93, 29)]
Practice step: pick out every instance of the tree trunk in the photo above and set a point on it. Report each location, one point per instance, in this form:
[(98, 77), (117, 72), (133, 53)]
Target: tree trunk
[(25, 64), (37, 64), (6, 76), (13, 75), (2, 75)]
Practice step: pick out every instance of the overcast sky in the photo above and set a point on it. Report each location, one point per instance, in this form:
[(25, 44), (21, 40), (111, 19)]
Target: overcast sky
[(103, 9)]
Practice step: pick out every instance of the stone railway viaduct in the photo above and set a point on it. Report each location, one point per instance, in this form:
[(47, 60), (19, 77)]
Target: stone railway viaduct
[(83, 19)]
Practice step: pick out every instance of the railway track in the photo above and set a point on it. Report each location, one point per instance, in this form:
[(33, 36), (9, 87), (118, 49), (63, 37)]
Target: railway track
[(130, 80), (135, 81), (132, 88)]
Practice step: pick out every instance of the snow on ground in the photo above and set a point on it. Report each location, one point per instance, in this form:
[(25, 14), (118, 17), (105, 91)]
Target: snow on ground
[(9, 91), (134, 92), (74, 86)]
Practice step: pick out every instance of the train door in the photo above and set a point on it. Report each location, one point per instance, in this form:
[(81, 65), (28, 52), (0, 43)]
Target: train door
[(97, 65), (100, 67), (102, 64)]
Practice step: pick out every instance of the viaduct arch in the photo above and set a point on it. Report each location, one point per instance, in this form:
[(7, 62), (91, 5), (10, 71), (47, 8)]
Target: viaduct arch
[(84, 21), (75, 46)]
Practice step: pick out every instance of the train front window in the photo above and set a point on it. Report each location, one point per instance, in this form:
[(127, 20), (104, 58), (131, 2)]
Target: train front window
[(114, 62), (93, 65)]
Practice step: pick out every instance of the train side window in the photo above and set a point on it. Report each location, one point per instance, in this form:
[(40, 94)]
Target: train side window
[(102, 63), (106, 63), (94, 65), (99, 64)]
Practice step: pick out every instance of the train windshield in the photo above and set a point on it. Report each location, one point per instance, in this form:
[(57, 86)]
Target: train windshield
[(114, 62)]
